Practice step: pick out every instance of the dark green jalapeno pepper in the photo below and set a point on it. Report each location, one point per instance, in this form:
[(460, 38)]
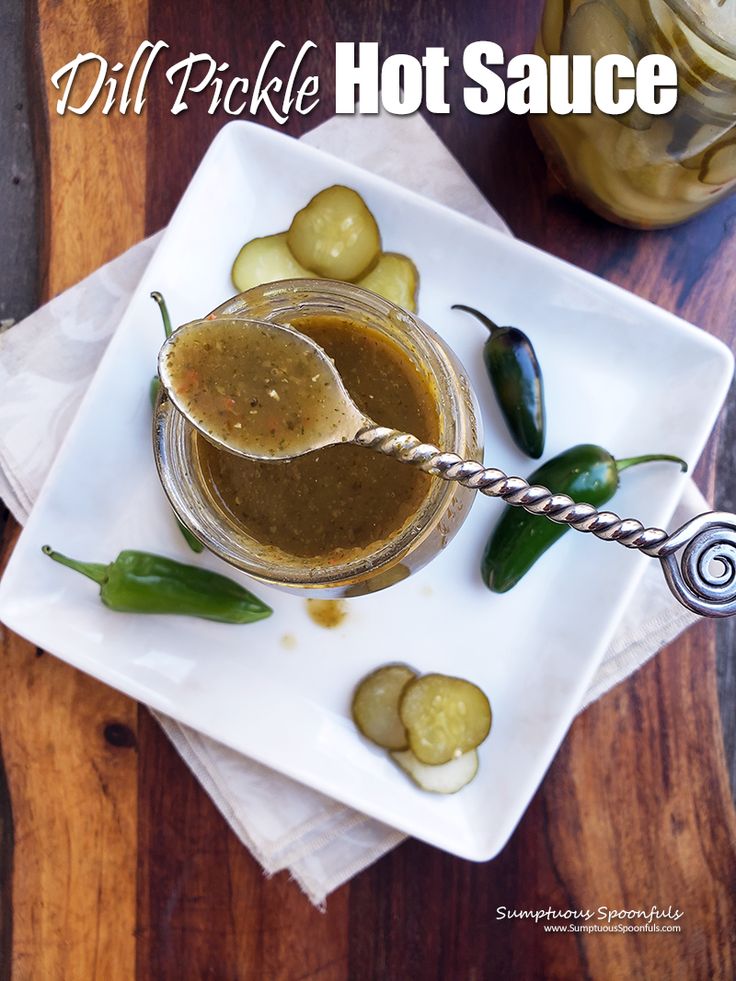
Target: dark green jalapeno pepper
[(588, 474), (514, 371), (153, 390), (140, 582)]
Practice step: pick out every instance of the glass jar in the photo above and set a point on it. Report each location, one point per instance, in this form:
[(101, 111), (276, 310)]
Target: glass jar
[(419, 539), (636, 169)]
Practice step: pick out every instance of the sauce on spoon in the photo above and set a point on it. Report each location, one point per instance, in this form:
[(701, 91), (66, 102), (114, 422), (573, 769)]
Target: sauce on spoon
[(260, 390)]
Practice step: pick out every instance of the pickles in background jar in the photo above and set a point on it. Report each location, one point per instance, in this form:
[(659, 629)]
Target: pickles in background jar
[(636, 169)]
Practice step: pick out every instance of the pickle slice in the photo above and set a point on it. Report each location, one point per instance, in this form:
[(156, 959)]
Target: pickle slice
[(632, 148), (395, 278), (553, 21), (719, 164), (692, 136), (705, 61), (635, 118), (600, 28), (375, 705), (700, 65), (336, 235), (444, 717), (447, 778), (266, 260)]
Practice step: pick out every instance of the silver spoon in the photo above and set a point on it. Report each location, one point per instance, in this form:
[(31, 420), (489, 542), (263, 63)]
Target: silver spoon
[(704, 580)]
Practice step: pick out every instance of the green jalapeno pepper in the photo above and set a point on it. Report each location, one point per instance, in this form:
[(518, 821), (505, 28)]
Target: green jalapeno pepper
[(140, 582), (514, 371), (588, 474), (153, 390), (155, 386)]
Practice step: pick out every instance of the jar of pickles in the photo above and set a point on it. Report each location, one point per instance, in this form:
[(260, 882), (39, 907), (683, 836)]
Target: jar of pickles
[(636, 169)]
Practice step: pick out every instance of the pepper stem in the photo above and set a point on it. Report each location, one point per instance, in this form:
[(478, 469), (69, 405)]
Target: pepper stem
[(490, 324), (158, 297), (93, 570), (633, 461)]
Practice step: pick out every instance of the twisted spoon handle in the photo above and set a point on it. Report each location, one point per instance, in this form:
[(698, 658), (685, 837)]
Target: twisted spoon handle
[(705, 579)]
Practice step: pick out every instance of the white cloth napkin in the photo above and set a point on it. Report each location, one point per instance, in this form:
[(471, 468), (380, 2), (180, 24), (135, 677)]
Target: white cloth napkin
[(46, 363)]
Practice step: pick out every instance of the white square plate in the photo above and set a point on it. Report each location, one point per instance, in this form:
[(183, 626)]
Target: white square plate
[(618, 371)]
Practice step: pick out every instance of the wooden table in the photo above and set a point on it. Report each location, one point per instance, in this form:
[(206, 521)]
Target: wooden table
[(113, 862)]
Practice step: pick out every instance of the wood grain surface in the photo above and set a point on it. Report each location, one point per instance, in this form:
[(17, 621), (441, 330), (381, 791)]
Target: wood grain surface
[(113, 862)]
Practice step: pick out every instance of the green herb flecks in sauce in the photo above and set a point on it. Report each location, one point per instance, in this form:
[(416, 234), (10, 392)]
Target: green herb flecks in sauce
[(262, 390)]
